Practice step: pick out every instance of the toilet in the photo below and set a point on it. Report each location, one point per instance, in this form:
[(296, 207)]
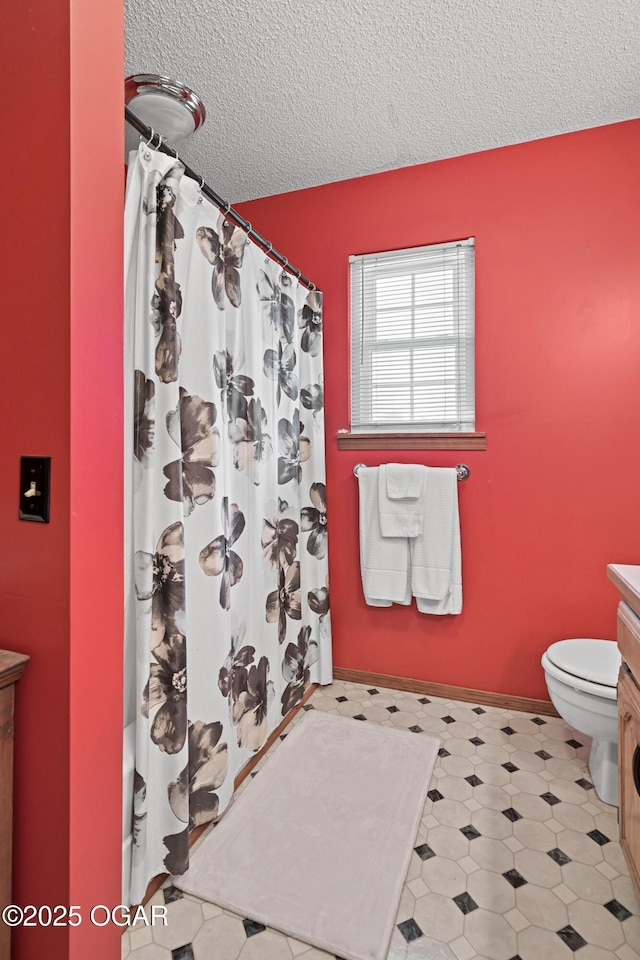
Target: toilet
[(582, 677)]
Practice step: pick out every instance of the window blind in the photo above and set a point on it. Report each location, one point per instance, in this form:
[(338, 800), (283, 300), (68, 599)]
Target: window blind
[(412, 339)]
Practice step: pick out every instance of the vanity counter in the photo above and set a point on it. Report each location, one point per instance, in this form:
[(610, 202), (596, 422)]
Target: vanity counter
[(626, 577)]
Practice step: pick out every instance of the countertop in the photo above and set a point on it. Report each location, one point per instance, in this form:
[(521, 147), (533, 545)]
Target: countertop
[(11, 666), (627, 579)]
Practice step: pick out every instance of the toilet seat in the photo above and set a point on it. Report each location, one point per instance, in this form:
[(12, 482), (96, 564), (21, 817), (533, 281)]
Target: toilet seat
[(594, 660), (588, 665)]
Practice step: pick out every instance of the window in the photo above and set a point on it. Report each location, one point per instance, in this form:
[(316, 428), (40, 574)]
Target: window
[(412, 340)]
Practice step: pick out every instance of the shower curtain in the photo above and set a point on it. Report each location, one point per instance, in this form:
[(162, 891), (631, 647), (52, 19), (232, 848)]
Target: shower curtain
[(226, 532)]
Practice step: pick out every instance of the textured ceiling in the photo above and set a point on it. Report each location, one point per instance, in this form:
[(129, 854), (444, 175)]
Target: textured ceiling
[(308, 92)]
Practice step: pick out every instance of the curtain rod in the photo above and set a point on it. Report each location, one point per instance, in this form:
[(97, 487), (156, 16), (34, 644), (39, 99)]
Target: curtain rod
[(149, 134)]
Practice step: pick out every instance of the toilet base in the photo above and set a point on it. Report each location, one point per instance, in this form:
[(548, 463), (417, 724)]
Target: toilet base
[(603, 767)]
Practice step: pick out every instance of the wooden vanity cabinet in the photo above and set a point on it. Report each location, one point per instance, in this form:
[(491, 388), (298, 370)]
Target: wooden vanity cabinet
[(11, 668), (627, 580), (629, 762)]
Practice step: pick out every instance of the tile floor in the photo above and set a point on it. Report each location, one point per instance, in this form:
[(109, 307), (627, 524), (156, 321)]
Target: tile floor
[(516, 858)]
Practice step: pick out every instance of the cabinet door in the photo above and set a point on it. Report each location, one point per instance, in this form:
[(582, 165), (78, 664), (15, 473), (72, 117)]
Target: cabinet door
[(629, 637), (629, 772)]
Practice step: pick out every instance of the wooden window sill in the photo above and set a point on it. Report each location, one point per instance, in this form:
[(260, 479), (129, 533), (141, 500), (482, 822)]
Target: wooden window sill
[(411, 441)]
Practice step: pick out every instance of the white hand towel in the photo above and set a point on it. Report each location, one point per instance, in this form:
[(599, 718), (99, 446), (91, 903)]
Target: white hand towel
[(405, 481), (401, 516), (384, 562), (436, 559)]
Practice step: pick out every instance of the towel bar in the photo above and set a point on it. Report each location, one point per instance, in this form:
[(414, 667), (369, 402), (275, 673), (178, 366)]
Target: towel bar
[(462, 470)]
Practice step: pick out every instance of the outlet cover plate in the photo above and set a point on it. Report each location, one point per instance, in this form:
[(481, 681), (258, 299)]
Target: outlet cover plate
[(34, 488)]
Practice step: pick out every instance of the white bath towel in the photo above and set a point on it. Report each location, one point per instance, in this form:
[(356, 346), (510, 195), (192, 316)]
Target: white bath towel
[(400, 499), (436, 560), (384, 561)]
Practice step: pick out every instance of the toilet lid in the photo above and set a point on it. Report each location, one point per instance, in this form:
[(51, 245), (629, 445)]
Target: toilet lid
[(594, 660)]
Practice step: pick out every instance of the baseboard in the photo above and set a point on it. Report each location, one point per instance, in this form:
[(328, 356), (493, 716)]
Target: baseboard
[(446, 691), (156, 882)]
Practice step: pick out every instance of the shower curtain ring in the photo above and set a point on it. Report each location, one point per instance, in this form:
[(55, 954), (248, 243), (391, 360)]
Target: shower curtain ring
[(313, 287), (247, 227), (163, 141), (150, 140), (285, 264), (298, 274)]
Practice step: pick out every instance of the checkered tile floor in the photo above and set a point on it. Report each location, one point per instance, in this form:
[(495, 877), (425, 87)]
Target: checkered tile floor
[(516, 858)]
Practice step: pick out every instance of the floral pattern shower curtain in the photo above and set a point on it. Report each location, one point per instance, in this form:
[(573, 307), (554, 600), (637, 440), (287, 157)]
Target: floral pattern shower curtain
[(226, 507)]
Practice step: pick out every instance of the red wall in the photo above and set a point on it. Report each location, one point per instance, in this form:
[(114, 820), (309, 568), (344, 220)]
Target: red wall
[(34, 563), (60, 583), (96, 529), (554, 498)]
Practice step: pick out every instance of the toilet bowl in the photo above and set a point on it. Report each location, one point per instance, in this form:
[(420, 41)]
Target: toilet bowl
[(582, 677)]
